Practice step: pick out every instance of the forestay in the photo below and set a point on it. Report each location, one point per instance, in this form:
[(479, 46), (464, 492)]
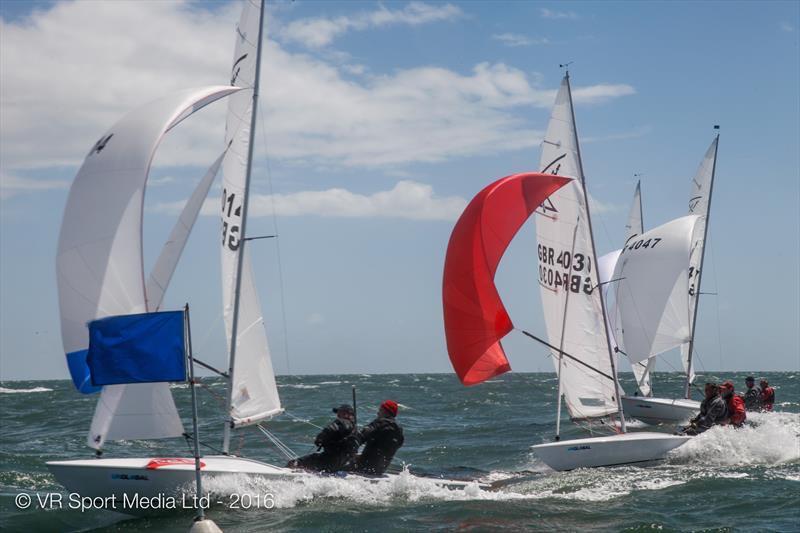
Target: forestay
[(652, 290), (699, 204), (566, 267), (254, 394), (99, 261)]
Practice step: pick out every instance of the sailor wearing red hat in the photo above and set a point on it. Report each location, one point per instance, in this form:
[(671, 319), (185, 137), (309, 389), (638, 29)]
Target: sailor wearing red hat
[(381, 438), (735, 404)]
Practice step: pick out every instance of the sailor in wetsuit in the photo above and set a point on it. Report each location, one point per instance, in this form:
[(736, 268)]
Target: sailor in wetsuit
[(735, 405), (382, 438), (338, 441), (752, 396), (712, 411)]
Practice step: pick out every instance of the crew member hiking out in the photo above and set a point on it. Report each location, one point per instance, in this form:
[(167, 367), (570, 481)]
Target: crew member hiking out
[(381, 438), (752, 396), (767, 396), (338, 441), (735, 405), (712, 411)]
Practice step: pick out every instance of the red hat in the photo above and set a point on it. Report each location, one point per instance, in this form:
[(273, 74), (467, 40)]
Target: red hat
[(727, 385), (390, 406)]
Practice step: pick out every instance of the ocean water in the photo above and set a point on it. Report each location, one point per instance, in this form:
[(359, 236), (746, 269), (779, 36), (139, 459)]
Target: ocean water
[(725, 479)]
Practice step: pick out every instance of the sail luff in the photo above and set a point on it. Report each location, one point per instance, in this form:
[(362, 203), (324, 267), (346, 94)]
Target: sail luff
[(696, 295), (618, 394), (242, 237)]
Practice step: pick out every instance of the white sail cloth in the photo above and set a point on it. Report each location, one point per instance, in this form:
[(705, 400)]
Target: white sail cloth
[(566, 267), (699, 203), (99, 260), (254, 393), (652, 292)]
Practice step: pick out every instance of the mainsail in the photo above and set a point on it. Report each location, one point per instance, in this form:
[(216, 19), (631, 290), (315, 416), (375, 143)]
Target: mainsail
[(253, 394), (652, 290), (475, 319), (99, 263), (568, 276), (699, 204)]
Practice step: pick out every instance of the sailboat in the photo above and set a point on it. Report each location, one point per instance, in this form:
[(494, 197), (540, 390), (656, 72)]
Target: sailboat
[(672, 332), (100, 273), (475, 319)]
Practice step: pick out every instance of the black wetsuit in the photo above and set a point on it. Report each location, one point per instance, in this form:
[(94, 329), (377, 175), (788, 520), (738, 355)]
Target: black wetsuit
[(382, 438), (752, 399), (712, 411), (339, 443)]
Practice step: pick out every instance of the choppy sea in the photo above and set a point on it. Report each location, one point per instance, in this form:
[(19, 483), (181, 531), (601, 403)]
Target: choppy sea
[(723, 480)]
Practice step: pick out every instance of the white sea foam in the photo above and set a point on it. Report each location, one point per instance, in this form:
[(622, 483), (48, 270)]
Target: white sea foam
[(330, 383), (384, 492), (298, 386), (768, 438), (4, 390)]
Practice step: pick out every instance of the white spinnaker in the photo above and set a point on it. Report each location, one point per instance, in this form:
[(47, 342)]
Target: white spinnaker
[(587, 393), (635, 226), (652, 291), (99, 260), (254, 394), (699, 203), (164, 268)]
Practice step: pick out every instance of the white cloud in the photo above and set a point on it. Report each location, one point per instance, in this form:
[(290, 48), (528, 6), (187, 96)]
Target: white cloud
[(315, 319), (633, 134), (11, 185), (515, 39), (90, 70), (600, 208), (785, 26), (550, 14), (407, 200), (319, 32)]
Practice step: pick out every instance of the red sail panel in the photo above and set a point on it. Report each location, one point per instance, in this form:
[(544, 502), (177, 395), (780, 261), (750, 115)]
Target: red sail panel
[(474, 316)]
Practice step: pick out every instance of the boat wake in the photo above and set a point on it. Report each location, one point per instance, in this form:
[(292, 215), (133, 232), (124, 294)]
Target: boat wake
[(766, 439), (4, 390)]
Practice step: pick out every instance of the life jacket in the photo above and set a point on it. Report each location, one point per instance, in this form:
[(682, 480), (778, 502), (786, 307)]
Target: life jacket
[(736, 411), (767, 398)]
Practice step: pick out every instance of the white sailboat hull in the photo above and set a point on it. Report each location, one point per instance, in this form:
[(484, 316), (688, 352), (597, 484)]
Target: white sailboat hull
[(133, 480), (612, 450), (659, 410)]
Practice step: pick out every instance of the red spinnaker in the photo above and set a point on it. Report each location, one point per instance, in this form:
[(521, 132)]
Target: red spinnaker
[(474, 316)]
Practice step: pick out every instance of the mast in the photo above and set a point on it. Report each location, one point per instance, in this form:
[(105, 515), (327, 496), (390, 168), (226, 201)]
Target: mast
[(687, 387), (243, 240), (594, 258)]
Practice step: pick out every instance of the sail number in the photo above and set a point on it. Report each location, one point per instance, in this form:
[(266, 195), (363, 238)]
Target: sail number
[(553, 277), (642, 243), (231, 219)]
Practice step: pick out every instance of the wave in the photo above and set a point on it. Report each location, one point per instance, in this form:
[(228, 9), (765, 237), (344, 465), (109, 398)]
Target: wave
[(4, 390), (298, 386)]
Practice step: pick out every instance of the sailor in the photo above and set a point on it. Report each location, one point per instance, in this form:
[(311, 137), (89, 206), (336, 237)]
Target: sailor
[(767, 395), (338, 441), (752, 396), (735, 404), (712, 411), (382, 438)]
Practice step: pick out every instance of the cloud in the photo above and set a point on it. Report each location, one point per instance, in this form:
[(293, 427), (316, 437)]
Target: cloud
[(318, 32), (785, 26), (550, 14), (315, 319), (313, 112), (11, 185), (406, 200), (515, 39), (599, 208), (634, 134)]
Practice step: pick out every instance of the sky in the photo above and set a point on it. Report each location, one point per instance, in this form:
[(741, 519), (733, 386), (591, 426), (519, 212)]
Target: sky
[(378, 123)]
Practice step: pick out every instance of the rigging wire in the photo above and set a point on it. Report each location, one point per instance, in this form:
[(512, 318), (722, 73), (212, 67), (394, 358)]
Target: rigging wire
[(277, 244)]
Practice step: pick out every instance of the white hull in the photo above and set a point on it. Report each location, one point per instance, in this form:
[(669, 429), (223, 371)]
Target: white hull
[(134, 479), (612, 450), (659, 410)]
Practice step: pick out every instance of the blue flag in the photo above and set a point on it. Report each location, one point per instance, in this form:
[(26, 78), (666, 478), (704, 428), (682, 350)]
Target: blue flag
[(144, 348)]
